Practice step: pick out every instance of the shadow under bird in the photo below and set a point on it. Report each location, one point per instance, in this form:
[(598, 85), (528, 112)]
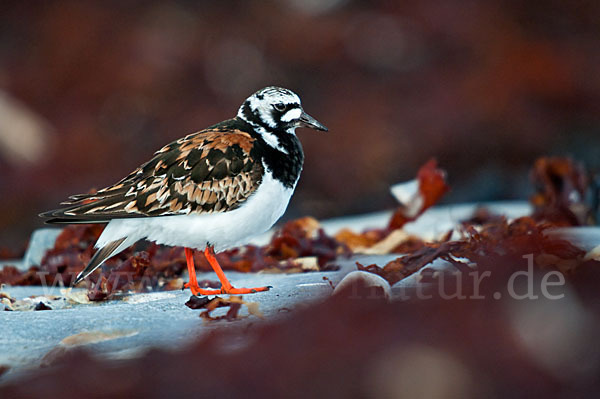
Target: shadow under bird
[(211, 190)]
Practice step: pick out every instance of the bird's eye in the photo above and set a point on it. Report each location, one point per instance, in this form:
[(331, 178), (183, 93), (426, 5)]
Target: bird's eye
[(279, 107)]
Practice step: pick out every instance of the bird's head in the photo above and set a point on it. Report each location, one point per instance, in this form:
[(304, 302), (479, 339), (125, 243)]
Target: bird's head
[(274, 109)]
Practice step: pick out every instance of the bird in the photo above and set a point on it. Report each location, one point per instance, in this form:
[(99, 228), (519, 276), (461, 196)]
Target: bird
[(211, 190)]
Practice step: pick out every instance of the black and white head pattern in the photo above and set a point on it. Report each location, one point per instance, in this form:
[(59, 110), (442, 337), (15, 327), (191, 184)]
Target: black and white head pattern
[(272, 109), (275, 113)]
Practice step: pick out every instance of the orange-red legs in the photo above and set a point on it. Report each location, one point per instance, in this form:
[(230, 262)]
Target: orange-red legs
[(226, 287)]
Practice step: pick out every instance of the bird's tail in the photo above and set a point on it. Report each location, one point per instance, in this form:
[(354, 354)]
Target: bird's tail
[(110, 249)]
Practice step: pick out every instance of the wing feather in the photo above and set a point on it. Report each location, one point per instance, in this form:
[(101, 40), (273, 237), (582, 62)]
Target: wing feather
[(210, 171)]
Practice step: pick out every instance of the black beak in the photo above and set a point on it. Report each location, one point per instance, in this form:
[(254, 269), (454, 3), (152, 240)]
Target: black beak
[(308, 121)]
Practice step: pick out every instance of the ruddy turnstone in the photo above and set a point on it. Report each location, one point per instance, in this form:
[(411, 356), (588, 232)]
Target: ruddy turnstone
[(211, 190)]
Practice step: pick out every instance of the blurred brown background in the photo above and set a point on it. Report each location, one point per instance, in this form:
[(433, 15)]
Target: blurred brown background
[(88, 90)]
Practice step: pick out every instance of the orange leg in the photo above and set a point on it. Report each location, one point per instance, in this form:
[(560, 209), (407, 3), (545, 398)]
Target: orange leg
[(193, 283), (226, 287)]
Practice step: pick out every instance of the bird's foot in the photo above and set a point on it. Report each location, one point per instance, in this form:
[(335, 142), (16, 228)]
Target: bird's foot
[(238, 291), (196, 290)]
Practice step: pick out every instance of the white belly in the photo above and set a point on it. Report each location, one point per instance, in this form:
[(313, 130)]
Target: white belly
[(223, 230)]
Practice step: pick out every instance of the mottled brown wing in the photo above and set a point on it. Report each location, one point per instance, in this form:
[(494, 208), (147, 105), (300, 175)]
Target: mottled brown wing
[(205, 172)]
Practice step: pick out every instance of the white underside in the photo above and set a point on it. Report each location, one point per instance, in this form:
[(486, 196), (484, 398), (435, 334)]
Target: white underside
[(223, 230)]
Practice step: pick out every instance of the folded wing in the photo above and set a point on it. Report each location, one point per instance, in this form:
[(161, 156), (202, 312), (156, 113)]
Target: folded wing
[(214, 170)]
